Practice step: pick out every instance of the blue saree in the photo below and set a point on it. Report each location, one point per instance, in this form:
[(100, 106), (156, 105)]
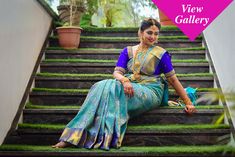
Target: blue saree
[(103, 117)]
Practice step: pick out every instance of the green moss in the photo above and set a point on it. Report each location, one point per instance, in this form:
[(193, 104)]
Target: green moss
[(197, 107), (189, 61), (119, 50), (30, 106), (186, 49), (114, 61), (123, 29), (58, 90), (205, 149), (42, 126), (139, 127), (178, 127), (111, 76), (195, 75), (79, 61), (200, 90), (110, 29), (88, 38), (207, 89), (100, 49), (61, 48), (74, 75), (128, 39)]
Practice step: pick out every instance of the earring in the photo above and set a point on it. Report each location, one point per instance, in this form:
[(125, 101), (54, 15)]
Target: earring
[(142, 38)]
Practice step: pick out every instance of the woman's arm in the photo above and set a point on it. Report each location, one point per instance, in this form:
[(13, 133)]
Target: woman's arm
[(128, 89), (117, 75), (173, 80), (120, 70)]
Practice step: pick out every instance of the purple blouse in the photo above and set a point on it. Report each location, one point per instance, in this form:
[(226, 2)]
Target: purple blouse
[(164, 66)]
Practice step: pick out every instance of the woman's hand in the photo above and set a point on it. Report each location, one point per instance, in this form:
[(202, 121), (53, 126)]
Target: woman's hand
[(128, 89), (190, 109)]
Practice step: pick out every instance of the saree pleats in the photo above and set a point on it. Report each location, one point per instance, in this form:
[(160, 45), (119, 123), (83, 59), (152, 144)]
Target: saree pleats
[(103, 117)]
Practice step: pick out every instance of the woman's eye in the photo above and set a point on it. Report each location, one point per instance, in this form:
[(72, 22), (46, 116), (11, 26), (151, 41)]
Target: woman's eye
[(150, 33)]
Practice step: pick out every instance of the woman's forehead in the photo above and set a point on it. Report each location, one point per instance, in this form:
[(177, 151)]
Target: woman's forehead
[(153, 28)]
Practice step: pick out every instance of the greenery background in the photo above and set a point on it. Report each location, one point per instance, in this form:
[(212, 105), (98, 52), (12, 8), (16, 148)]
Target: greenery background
[(114, 13)]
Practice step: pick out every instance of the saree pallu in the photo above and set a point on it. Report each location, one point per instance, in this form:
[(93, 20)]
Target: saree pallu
[(103, 117)]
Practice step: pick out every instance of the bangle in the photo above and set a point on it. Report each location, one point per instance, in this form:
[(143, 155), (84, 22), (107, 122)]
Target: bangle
[(187, 101), (124, 79)]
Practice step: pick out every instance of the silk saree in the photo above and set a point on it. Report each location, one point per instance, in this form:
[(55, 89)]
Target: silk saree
[(103, 118)]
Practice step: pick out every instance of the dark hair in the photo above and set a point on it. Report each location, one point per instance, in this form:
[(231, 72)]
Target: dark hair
[(146, 23)]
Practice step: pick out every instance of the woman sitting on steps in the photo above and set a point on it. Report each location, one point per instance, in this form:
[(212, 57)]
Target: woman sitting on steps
[(137, 88)]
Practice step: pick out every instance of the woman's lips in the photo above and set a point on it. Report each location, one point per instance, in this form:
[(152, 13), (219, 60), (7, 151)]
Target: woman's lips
[(151, 40)]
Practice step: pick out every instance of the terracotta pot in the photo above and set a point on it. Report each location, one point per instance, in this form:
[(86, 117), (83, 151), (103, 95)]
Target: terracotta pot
[(164, 20), (69, 37)]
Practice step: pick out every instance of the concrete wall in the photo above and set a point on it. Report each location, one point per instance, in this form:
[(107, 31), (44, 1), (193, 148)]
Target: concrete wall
[(220, 38), (24, 27)]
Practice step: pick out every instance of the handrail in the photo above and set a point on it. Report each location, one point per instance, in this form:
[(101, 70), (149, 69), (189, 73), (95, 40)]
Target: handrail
[(49, 10), (226, 108)]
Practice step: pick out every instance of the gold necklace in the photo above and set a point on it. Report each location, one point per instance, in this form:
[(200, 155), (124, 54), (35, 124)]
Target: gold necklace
[(136, 64)]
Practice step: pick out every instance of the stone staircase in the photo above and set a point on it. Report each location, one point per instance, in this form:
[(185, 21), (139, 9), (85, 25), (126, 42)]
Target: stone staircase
[(66, 76)]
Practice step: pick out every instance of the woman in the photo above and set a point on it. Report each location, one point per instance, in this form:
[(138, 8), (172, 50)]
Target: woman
[(102, 120)]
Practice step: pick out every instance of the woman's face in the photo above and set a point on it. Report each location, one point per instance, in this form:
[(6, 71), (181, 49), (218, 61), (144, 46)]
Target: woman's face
[(150, 35)]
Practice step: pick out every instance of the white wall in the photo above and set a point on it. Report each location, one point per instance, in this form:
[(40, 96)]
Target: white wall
[(24, 25), (220, 37)]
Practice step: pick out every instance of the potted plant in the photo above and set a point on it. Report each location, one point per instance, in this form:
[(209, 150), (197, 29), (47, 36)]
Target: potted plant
[(69, 33), (164, 20)]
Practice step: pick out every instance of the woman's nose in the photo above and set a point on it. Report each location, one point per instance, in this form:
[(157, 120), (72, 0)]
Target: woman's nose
[(153, 36)]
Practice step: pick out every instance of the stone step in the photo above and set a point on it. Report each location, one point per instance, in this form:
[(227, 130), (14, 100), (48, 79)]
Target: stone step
[(50, 96), (133, 33), (107, 68), (162, 115), (129, 39), (126, 33), (114, 54), (148, 135), (121, 44), (86, 82), (155, 151)]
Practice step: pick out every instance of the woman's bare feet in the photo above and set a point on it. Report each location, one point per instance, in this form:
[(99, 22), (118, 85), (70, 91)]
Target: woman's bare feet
[(61, 144)]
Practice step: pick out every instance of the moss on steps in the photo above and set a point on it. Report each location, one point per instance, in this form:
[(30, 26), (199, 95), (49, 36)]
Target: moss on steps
[(95, 38), (111, 76), (114, 61), (129, 39), (172, 127), (33, 106), (216, 149), (186, 49), (126, 29), (101, 49), (59, 90)]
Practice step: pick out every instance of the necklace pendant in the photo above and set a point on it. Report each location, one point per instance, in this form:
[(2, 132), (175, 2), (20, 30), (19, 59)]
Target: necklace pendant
[(133, 77), (137, 76), (137, 64)]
